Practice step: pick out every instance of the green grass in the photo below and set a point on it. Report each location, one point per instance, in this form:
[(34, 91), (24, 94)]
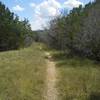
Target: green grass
[(79, 79), (22, 74)]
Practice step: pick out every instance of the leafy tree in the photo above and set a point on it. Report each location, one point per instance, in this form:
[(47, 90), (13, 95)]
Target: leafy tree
[(78, 31), (13, 33)]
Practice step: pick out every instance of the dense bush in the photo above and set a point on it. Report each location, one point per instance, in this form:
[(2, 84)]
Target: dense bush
[(78, 31), (13, 33)]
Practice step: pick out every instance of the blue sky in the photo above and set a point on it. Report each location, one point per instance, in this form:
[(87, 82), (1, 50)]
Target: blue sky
[(40, 11)]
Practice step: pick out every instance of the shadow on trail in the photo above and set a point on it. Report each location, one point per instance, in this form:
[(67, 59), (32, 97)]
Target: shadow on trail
[(66, 60), (94, 96)]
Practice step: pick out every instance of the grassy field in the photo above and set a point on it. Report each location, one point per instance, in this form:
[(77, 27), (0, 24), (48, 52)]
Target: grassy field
[(79, 79), (22, 74)]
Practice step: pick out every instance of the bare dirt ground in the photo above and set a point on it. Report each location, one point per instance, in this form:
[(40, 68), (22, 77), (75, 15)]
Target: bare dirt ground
[(51, 80)]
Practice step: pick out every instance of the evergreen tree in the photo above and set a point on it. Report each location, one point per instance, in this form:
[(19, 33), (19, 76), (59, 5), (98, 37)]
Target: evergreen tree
[(13, 32)]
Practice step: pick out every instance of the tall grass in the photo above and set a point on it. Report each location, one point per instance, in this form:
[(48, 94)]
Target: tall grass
[(79, 78), (22, 74)]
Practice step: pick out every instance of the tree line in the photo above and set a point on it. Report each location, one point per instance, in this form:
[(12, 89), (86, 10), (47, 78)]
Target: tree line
[(13, 32), (78, 32)]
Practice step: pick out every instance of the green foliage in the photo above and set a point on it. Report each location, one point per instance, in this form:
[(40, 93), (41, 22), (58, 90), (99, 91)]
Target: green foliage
[(78, 77), (78, 31), (12, 31), (22, 74)]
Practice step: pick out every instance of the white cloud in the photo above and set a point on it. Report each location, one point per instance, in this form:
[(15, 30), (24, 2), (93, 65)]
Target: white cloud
[(32, 5), (38, 23), (72, 3), (43, 11), (49, 9), (18, 8)]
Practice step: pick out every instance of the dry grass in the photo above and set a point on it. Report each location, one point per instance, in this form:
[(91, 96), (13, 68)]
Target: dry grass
[(79, 79), (22, 74)]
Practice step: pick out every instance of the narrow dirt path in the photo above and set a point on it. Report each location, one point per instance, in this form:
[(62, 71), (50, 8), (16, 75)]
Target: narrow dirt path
[(51, 80)]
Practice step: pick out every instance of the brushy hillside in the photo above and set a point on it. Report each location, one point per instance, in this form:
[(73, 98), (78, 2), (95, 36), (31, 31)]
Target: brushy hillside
[(79, 78), (77, 32), (22, 74)]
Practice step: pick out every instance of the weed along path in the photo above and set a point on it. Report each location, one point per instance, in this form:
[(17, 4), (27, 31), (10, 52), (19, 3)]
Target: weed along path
[(51, 80)]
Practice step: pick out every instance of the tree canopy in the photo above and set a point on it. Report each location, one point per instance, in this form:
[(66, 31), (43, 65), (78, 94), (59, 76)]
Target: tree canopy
[(13, 32), (78, 31)]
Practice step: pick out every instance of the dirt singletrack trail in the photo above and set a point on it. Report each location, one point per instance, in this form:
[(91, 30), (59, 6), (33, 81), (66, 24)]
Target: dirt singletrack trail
[(51, 79)]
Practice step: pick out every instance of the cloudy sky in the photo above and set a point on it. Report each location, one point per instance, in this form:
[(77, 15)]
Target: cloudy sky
[(40, 11)]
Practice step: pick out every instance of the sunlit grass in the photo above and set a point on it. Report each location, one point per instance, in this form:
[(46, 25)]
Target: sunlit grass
[(79, 78), (22, 74)]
